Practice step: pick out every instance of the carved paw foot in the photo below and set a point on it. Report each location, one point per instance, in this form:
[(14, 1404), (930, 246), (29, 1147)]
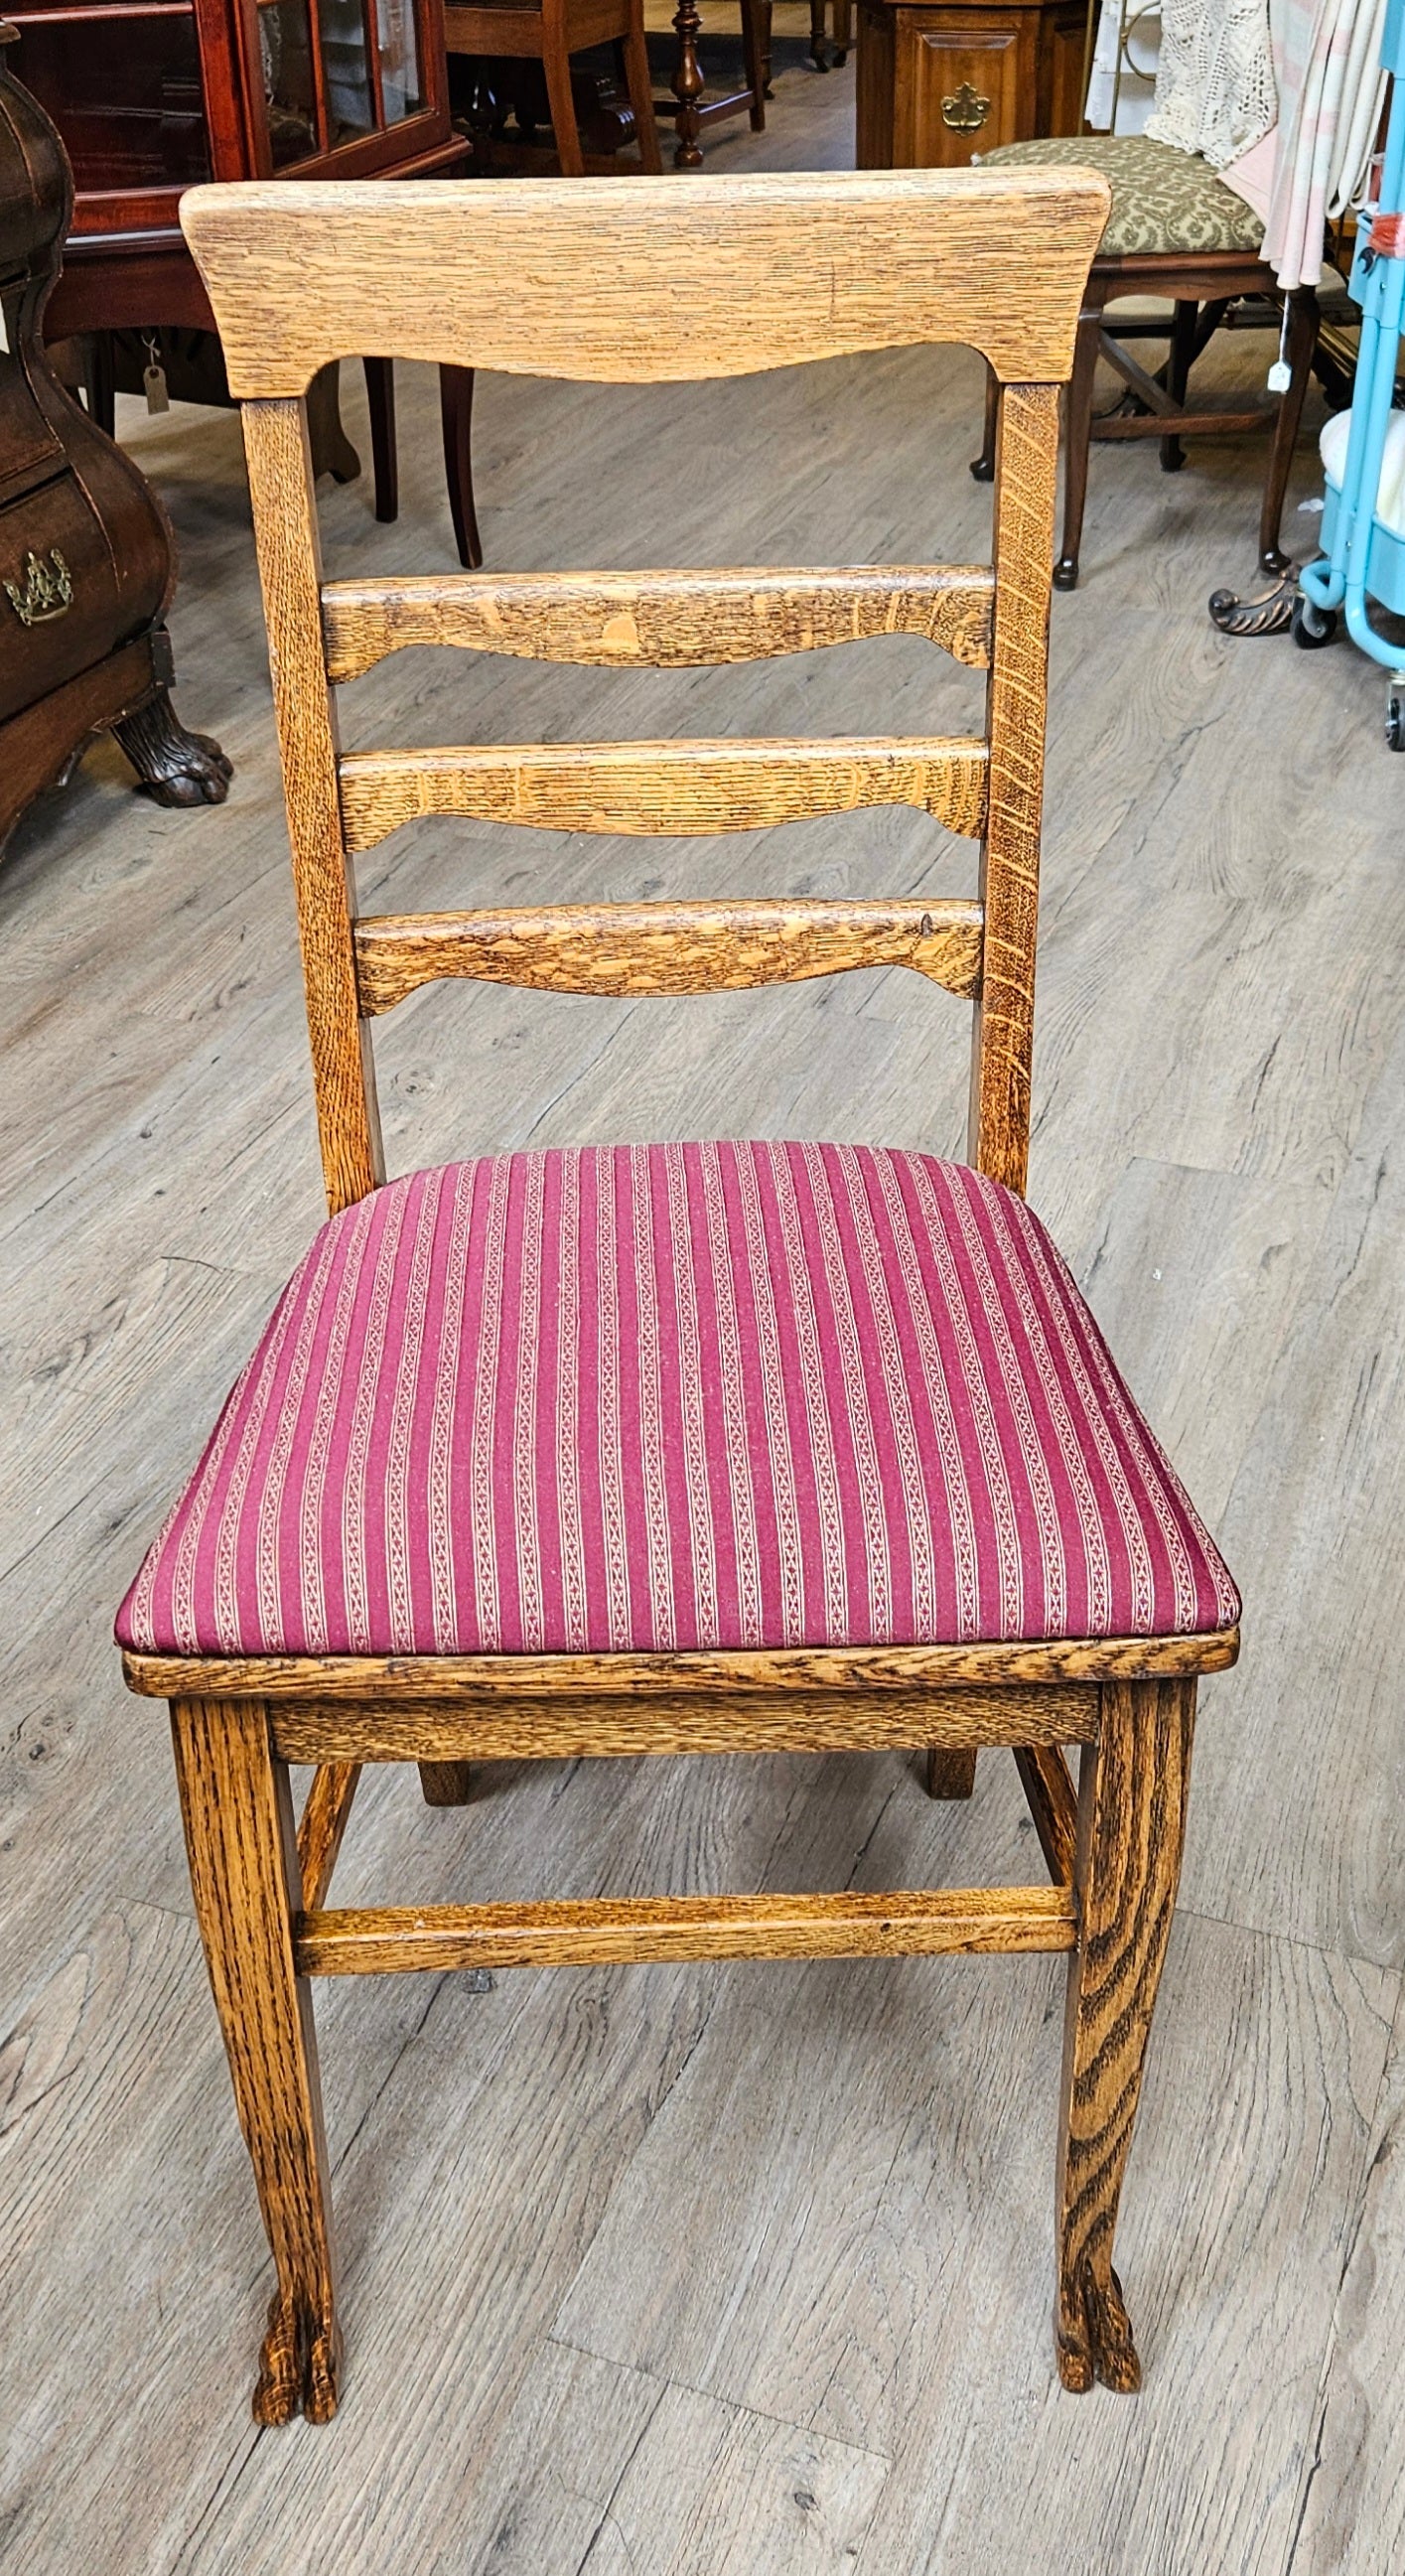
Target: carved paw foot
[(1094, 2337), (174, 767), (299, 2366)]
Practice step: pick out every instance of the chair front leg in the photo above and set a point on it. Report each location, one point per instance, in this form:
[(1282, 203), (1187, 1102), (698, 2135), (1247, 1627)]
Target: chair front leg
[(1304, 322), (240, 1838), (456, 421), (1131, 1831)]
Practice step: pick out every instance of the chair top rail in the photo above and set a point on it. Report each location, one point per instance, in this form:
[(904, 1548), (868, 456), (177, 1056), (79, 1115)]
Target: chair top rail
[(579, 278), (657, 620)]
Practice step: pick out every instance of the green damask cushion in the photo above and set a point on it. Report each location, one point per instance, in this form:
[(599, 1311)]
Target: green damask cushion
[(1162, 200)]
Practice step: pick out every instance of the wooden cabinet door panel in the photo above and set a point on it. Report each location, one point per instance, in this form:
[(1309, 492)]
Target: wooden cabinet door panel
[(959, 88)]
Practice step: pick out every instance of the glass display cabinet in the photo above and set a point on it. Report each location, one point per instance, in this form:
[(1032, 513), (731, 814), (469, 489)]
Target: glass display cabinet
[(151, 96)]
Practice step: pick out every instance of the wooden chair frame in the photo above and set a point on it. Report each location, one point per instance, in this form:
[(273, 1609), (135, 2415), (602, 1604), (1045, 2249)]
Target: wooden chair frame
[(582, 279), (1200, 286)]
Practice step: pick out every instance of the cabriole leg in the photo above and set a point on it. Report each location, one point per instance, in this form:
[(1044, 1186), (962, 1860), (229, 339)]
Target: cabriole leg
[(240, 1839), (1131, 1829)]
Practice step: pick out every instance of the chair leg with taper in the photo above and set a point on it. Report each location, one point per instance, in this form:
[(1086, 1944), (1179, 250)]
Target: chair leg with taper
[(237, 1808), (1131, 1831)]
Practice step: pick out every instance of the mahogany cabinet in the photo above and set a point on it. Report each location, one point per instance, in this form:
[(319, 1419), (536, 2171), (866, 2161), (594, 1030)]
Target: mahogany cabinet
[(153, 95), (939, 83)]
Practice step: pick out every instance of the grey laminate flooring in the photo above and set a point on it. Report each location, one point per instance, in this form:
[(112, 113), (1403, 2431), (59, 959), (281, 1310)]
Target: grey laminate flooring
[(729, 2271)]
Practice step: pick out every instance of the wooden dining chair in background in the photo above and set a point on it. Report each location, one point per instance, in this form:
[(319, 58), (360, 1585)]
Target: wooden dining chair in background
[(550, 32), (686, 1448), (1176, 234)]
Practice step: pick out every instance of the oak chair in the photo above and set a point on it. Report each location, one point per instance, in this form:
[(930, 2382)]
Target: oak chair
[(697, 1448)]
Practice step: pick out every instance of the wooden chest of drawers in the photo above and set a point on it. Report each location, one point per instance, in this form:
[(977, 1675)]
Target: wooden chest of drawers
[(86, 558)]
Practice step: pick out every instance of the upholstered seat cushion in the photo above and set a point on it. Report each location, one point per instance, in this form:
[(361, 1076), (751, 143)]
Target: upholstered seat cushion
[(1162, 200), (675, 1396)]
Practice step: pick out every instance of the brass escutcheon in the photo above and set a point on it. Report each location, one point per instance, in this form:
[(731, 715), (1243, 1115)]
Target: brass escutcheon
[(965, 111), (47, 593)]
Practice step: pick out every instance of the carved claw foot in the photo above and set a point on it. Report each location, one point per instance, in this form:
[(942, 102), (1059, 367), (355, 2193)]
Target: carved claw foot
[(1094, 2336), (173, 766), (299, 2366), (1269, 613)]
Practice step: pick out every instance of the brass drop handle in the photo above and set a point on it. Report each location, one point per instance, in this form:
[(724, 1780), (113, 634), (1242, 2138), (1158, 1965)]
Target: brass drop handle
[(965, 111), (47, 592)]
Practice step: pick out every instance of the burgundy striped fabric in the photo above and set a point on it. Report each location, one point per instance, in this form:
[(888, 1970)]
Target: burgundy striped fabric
[(671, 1396)]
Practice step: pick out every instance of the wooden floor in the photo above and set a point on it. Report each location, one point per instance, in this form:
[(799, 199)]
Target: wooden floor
[(729, 2271)]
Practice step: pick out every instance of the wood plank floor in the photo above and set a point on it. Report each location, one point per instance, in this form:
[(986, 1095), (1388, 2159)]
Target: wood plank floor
[(729, 2271)]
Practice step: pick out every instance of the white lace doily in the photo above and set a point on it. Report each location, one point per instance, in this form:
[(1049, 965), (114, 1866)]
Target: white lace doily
[(1215, 90)]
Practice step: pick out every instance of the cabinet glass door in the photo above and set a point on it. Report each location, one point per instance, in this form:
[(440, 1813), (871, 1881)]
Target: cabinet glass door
[(336, 72), (124, 89)]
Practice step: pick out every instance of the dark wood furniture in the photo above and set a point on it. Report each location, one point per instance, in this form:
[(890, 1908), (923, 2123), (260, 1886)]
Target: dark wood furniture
[(1176, 235), (550, 33), (150, 95), (503, 99), (939, 82), (581, 280), (87, 561)]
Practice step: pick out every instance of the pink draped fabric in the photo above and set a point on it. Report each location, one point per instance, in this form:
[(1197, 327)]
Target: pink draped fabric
[(1326, 60), (673, 1396)]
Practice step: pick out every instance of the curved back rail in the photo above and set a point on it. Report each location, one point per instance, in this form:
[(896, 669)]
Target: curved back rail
[(579, 280)]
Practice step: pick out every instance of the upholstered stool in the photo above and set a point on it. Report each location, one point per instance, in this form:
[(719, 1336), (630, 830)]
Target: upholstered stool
[(1176, 232)]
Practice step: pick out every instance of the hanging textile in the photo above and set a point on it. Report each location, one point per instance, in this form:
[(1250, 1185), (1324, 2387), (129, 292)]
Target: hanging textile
[(1215, 88), (1330, 93)]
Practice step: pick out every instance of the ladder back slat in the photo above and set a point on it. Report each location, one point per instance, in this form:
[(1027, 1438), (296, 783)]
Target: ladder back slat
[(620, 948), (657, 620), (662, 787)]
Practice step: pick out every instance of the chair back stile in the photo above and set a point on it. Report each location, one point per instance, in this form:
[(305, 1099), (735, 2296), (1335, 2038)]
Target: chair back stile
[(824, 265)]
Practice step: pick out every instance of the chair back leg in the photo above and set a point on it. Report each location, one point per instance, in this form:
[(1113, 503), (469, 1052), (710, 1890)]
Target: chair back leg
[(456, 420), (245, 1878), (1131, 1831), (756, 58), (556, 63), (380, 406), (1178, 365), (640, 89), (446, 1784)]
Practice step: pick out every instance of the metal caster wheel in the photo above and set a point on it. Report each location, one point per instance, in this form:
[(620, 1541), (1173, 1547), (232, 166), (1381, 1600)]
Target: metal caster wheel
[(1312, 626), (1395, 721)]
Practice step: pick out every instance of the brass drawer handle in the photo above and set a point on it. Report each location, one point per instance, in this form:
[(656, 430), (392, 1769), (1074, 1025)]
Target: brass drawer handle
[(965, 111), (46, 593)]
